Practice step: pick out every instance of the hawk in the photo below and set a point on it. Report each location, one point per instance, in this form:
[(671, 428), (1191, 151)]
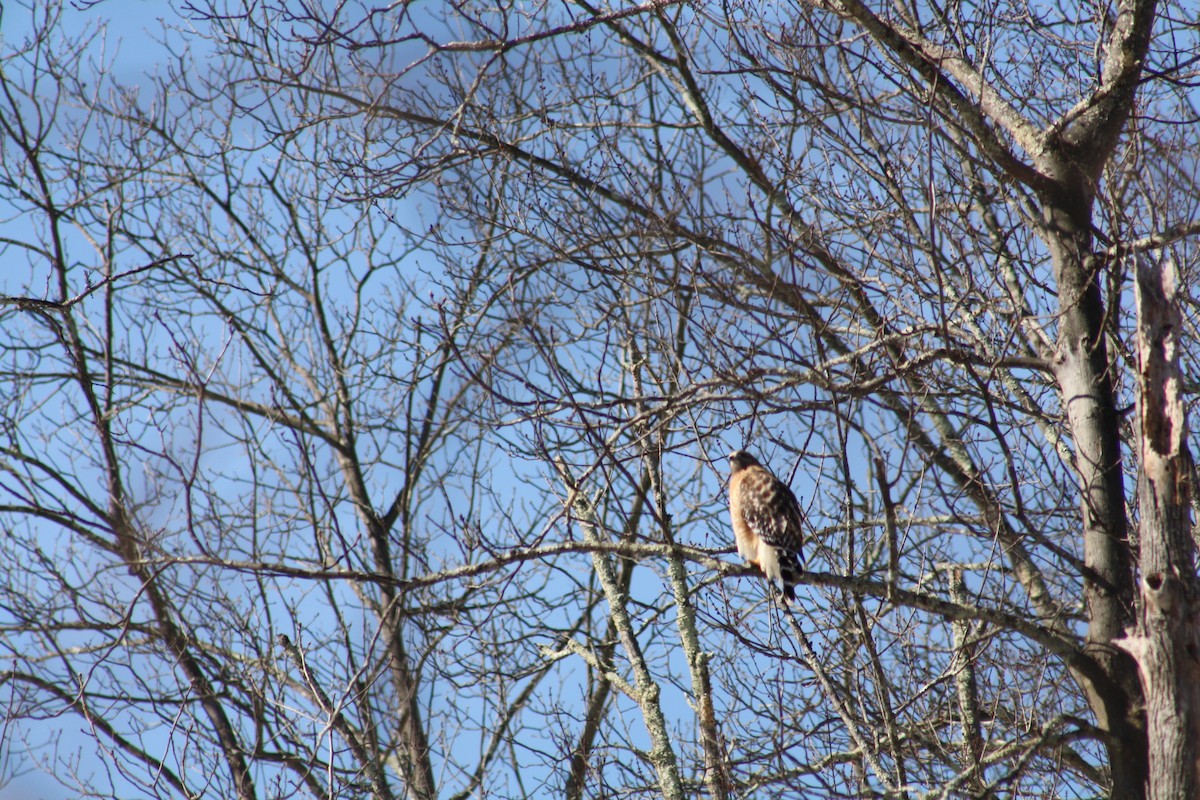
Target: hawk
[(767, 523)]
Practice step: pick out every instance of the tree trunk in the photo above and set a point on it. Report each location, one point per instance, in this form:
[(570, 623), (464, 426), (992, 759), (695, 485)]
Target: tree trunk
[(1165, 643), (1084, 377)]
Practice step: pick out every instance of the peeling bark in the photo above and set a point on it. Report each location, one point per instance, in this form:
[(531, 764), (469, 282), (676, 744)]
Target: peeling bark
[(1165, 642)]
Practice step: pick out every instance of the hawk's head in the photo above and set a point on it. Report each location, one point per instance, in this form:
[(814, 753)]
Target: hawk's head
[(740, 459)]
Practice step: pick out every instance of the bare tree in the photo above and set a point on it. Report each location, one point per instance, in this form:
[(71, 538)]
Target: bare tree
[(382, 366), (237, 467)]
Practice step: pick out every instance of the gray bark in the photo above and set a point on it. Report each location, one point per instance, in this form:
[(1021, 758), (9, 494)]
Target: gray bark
[(1167, 640)]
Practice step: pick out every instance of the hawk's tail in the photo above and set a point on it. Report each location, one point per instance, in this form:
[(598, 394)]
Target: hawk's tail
[(790, 570)]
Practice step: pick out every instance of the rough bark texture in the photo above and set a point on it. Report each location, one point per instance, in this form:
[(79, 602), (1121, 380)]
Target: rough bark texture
[(1074, 152), (1085, 376), (645, 691), (1165, 643)]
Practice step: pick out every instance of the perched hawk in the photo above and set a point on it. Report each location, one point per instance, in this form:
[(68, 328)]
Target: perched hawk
[(766, 522)]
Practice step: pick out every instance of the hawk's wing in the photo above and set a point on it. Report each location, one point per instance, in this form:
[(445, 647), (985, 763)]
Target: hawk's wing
[(771, 511)]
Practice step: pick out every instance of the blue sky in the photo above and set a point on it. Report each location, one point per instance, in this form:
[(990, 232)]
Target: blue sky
[(132, 45), (138, 55)]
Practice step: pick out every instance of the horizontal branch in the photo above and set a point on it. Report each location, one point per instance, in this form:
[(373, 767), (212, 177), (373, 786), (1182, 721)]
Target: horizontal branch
[(578, 26), (37, 304), (1155, 241), (706, 558)]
